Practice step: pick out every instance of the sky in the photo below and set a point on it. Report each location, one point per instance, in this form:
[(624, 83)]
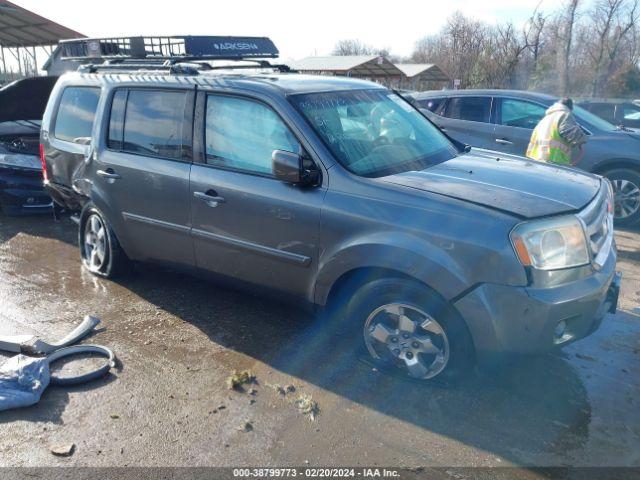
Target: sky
[(298, 28)]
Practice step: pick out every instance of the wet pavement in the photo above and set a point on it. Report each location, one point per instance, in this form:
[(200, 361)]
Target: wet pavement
[(178, 338)]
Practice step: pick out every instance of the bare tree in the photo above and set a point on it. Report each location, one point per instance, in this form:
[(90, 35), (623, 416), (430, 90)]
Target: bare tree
[(352, 47), (568, 20), (590, 52), (533, 34)]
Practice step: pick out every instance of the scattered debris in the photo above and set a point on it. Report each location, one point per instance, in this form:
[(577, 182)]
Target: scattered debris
[(65, 450), (278, 388), (236, 380), (246, 427), (307, 406)]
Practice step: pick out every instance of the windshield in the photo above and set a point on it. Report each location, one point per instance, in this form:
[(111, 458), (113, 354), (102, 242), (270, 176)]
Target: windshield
[(374, 132), (593, 119)]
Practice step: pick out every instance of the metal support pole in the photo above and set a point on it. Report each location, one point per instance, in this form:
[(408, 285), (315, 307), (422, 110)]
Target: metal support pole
[(4, 64), (19, 61)]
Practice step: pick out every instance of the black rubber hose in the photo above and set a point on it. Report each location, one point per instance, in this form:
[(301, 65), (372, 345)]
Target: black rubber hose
[(86, 377)]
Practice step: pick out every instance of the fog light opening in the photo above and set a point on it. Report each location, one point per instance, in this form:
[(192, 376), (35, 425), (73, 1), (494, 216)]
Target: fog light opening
[(560, 329)]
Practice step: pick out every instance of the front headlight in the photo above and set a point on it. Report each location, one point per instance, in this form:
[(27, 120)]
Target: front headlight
[(551, 244)]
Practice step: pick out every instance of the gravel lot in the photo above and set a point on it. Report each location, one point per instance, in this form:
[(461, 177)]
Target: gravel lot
[(179, 338)]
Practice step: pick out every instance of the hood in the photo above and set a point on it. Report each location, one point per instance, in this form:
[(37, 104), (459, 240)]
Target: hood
[(511, 184), (557, 107), (25, 99)]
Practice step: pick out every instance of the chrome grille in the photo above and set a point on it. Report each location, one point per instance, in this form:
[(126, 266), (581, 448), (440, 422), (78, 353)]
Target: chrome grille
[(598, 223)]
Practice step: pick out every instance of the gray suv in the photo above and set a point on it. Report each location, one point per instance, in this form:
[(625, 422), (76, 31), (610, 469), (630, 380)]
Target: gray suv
[(503, 120), (341, 195)]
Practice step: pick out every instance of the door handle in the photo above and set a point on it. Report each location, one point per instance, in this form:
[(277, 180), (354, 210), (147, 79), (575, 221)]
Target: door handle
[(109, 173), (442, 129), (210, 197), (503, 141)]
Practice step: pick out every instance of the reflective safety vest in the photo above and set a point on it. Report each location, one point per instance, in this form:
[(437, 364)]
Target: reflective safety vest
[(547, 145)]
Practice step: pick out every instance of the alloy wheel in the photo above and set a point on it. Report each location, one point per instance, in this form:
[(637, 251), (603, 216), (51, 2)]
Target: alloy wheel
[(626, 198), (408, 338), (95, 243)]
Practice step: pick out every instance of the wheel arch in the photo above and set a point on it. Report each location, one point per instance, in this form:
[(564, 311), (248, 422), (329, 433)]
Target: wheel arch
[(616, 163), (407, 258)]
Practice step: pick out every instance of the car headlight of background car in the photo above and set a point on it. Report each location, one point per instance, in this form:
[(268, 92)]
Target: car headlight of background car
[(18, 160), (551, 244)]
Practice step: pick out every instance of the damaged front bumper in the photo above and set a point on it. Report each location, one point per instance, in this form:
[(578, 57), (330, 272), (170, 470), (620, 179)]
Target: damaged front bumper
[(528, 320)]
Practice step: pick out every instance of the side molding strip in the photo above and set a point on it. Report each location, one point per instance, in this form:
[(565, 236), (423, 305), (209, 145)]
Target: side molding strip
[(155, 223), (294, 258)]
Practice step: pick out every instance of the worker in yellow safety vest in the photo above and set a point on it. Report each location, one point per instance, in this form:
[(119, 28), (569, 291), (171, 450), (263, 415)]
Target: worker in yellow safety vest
[(556, 135)]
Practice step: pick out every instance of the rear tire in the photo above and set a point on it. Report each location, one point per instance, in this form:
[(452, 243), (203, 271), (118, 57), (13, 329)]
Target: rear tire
[(626, 188), (100, 250), (403, 326)]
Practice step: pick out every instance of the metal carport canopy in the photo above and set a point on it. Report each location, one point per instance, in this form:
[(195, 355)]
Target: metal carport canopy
[(423, 71), (21, 28), (359, 65)]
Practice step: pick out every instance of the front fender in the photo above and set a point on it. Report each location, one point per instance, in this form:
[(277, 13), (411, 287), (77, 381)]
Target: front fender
[(401, 252)]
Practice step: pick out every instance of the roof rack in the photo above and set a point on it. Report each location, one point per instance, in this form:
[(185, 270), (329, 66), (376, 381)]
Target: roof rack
[(178, 68), (172, 49)]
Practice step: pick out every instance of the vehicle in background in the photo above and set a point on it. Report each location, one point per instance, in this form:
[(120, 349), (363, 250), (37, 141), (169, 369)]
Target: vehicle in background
[(625, 113), (333, 192), (22, 105), (503, 120)]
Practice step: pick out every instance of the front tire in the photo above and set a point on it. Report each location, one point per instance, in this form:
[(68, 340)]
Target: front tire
[(626, 189), (407, 327), (100, 250)]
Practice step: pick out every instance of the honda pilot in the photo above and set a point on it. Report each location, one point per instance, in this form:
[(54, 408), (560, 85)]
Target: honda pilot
[(337, 193)]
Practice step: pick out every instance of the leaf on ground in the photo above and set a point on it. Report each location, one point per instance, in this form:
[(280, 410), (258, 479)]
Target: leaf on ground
[(246, 427), (307, 406), (236, 380)]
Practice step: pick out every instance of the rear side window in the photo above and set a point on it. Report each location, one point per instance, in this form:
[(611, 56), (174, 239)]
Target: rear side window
[(241, 134), (116, 121), (475, 109), (604, 110), (153, 123), (431, 104), (76, 113)]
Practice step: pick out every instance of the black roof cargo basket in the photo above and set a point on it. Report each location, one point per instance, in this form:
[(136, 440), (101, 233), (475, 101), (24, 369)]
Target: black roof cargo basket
[(172, 49)]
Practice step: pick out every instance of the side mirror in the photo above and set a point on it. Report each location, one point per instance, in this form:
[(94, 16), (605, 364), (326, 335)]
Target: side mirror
[(290, 167)]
